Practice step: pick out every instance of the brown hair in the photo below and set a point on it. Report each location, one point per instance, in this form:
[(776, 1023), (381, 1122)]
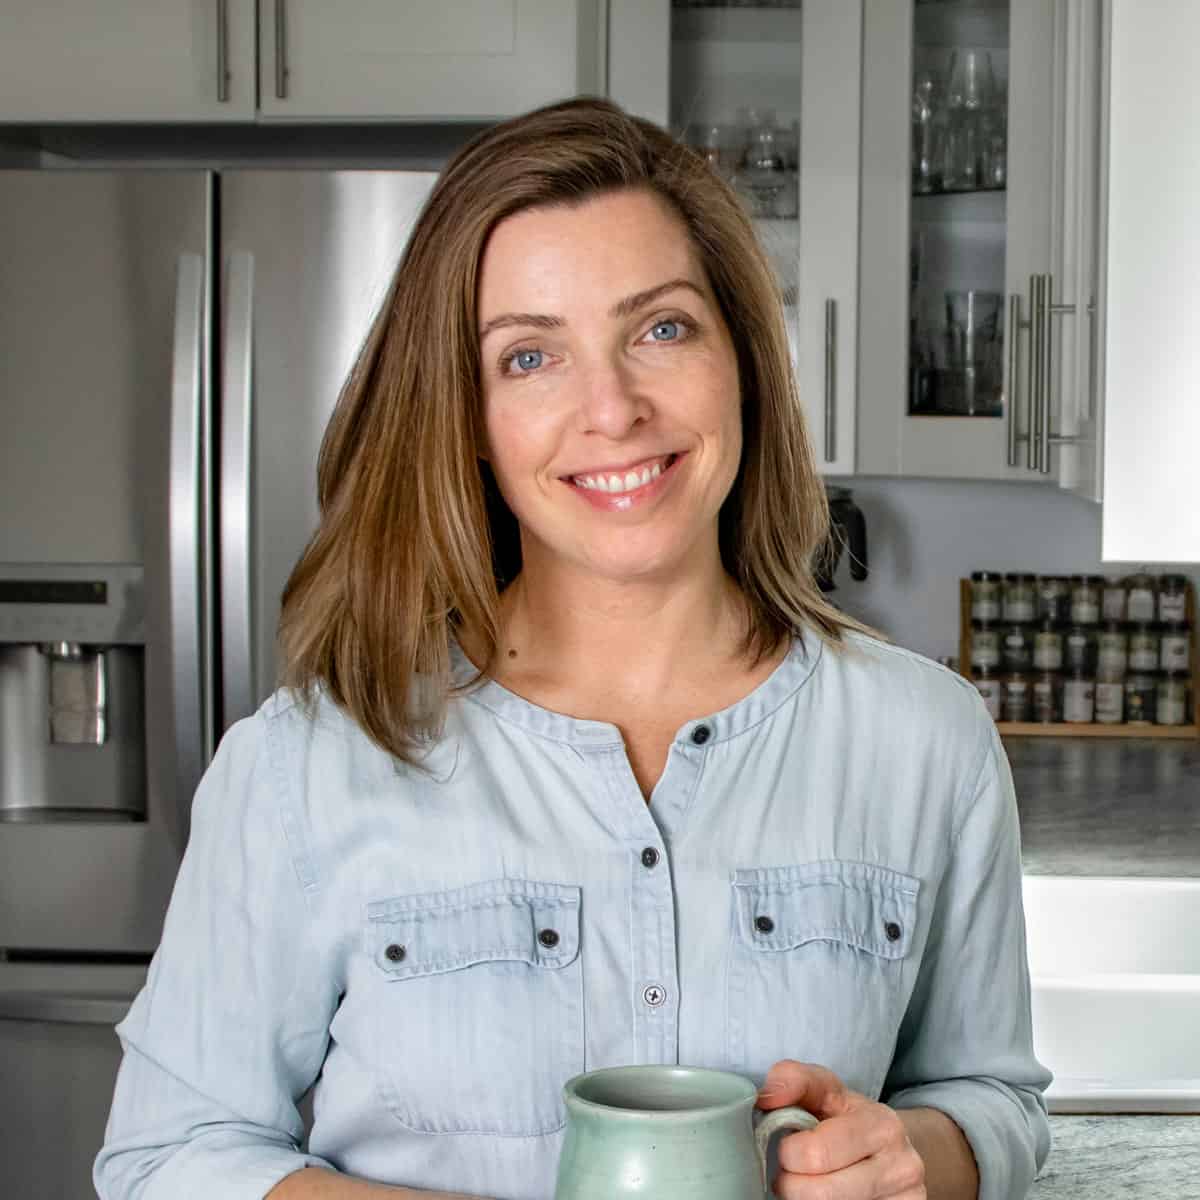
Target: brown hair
[(415, 541)]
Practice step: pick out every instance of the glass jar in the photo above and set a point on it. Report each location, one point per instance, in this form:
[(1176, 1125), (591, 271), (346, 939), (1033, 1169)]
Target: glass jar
[(986, 587), (1053, 598), (1018, 648), (1079, 649), (1172, 599), (1175, 647), (1140, 698), (1112, 649), (1171, 698), (1047, 697), (1079, 697), (1048, 647), (986, 641), (991, 688), (1113, 599), (1142, 603), (1143, 648), (1016, 697), (1085, 599), (1019, 597), (1110, 698)]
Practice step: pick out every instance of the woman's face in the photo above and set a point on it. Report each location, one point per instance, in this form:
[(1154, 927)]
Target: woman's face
[(611, 401)]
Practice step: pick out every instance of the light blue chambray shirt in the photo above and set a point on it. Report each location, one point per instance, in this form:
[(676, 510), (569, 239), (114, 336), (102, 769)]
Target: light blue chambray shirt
[(441, 952)]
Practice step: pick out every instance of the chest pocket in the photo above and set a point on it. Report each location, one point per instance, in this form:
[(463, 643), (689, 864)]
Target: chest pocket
[(477, 1006), (816, 967)]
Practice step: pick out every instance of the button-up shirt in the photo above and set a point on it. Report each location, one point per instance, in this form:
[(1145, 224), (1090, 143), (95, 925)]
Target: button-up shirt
[(828, 870)]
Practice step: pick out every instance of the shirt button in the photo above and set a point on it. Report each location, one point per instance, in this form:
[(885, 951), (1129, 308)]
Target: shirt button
[(649, 857), (654, 995), (764, 924), (394, 953), (548, 938), (893, 931), (701, 734)]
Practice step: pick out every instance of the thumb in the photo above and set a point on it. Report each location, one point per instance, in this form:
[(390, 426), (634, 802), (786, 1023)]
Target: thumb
[(814, 1088)]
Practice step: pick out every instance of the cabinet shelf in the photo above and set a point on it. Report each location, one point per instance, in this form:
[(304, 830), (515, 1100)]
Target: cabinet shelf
[(984, 206), (773, 25)]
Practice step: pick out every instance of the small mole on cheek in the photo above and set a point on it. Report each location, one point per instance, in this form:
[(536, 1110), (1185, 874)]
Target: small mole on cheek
[(512, 654)]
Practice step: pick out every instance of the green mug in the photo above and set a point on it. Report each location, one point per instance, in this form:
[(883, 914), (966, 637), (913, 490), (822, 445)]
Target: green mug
[(667, 1132)]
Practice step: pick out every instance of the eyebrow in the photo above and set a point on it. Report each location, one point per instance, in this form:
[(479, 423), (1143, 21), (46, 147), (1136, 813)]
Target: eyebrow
[(622, 308)]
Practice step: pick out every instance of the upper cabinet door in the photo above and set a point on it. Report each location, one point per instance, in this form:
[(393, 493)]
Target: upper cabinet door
[(1151, 416), (963, 135), (771, 94), (127, 60), (427, 60)]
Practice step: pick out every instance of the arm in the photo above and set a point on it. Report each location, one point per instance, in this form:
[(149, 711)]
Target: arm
[(313, 1183), (950, 1171), (966, 1045)]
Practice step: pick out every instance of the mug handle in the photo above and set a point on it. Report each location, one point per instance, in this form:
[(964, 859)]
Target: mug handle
[(791, 1119)]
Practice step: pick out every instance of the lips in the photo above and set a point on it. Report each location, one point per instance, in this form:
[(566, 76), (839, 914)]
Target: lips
[(620, 480)]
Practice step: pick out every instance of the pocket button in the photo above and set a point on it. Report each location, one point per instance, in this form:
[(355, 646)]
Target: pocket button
[(893, 931), (764, 924), (548, 938), (394, 953)]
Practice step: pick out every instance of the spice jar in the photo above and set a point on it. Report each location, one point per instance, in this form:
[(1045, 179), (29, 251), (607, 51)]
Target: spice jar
[(985, 646), (1112, 649), (985, 595), (1171, 699), (1079, 649), (1142, 602), (1019, 597), (1085, 599), (1053, 598), (1047, 697), (1079, 697), (1143, 648), (1016, 697), (1018, 648), (1048, 647), (1140, 698), (1172, 599), (991, 688), (1112, 604), (1110, 698), (1174, 648)]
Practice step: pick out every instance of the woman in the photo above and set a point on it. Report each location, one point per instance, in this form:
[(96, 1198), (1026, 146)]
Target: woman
[(575, 766)]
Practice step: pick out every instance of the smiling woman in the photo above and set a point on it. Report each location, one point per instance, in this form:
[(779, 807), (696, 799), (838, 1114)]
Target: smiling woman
[(573, 765)]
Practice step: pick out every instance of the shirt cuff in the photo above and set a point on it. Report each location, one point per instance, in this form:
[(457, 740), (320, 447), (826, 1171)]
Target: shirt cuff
[(1006, 1127)]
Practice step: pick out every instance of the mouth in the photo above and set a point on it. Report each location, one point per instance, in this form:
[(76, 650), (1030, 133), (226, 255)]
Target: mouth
[(625, 481)]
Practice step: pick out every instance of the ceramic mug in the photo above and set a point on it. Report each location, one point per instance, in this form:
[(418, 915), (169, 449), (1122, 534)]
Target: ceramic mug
[(667, 1132)]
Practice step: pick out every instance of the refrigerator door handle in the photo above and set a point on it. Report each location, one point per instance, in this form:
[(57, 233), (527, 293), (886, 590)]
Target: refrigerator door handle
[(186, 545), (65, 1008), (237, 494)]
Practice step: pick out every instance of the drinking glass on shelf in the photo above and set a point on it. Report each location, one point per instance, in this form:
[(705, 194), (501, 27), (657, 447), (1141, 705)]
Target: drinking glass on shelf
[(926, 101), (972, 353), (969, 99)]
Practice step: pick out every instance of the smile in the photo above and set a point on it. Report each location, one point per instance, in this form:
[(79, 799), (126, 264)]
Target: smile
[(628, 488), (617, 483)]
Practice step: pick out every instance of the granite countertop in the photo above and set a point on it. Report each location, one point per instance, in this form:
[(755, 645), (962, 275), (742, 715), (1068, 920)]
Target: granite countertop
[(1107, 806), (1121, 1158)]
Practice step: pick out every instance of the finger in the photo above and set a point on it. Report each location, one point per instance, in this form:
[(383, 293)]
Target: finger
[(881, 1177), (840, 1141), (814, 1088)]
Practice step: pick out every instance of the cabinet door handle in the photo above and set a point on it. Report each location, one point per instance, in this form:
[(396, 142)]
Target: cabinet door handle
[(830, 380), (1011, 366), (1034, 374), (281, 70), (223, 51)]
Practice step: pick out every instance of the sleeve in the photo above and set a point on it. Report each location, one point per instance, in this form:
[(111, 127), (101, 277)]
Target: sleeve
[(233, 1023), (966, 1044)]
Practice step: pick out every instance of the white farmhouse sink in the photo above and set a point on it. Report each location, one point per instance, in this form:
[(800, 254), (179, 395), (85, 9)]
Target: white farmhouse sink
[(1115, 966)]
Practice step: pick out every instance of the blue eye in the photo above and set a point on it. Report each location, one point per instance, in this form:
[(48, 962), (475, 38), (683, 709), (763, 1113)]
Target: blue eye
[(665, 331), (526, 360)]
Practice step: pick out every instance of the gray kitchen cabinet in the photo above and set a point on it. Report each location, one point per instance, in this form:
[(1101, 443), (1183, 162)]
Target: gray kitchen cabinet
[(1001, 385), (732, 76), (127, 60), (1152, 356), (295, 60)]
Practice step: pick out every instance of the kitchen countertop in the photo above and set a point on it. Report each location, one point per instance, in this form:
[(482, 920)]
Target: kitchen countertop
[(1121, 1158), (1107, 806)]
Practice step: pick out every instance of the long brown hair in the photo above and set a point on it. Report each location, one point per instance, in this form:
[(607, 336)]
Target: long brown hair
[(415, 542)]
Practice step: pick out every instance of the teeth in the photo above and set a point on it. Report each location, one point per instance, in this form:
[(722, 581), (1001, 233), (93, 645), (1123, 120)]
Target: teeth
[(615, 483)]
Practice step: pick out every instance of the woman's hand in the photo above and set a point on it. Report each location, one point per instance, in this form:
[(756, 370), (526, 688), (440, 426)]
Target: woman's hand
[(860, 1151)]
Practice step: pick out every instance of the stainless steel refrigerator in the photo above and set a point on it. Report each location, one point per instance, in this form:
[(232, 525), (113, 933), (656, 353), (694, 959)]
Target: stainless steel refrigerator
[(172, 344)]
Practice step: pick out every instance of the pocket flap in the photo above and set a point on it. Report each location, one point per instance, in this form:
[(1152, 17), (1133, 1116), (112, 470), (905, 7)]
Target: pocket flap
[(508, 920), (868, 907)]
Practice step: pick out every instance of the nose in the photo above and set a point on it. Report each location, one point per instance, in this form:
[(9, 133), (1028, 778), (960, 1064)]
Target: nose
[(611, 402)]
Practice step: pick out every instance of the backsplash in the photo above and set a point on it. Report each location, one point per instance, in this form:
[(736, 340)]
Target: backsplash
[(923, 536)]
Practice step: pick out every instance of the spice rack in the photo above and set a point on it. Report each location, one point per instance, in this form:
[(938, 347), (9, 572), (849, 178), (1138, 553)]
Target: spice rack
[(1190, 730)]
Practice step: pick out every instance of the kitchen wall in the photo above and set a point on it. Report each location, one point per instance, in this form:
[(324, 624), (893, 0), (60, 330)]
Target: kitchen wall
[(925, 535)]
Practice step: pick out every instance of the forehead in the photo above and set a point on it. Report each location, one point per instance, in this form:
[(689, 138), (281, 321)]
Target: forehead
[(602, 249)]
